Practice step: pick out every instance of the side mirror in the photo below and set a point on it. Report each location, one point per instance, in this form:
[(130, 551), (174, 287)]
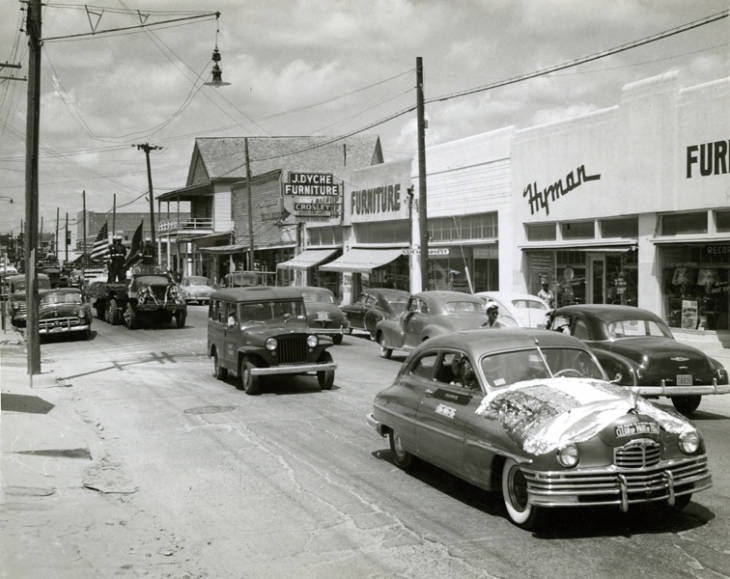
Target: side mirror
[(617, 378)]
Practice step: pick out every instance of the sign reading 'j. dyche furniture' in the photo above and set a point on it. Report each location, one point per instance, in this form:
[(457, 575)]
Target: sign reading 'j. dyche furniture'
[(312, 194)]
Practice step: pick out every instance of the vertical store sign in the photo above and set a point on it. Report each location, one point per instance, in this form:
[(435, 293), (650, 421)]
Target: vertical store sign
[(311, 194)]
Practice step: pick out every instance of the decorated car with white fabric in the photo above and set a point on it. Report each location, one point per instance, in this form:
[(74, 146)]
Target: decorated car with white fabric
[(530, 413)]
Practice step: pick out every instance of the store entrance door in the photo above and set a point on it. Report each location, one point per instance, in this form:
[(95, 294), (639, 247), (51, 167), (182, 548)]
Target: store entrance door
[(596, 278)]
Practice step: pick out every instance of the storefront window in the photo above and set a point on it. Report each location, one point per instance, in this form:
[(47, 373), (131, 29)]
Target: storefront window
[(622, 279), (383, 232), (578, 230), (722, 221), (621, 227), (682, 223), (571, 278), (540, 231), (463, 227), (695, 286)]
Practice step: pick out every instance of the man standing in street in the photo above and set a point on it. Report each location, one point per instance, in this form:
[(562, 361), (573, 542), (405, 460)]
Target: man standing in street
[(546, 294)]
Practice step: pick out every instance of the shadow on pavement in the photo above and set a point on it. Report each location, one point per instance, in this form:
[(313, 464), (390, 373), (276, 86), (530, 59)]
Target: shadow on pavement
[(24, 403)]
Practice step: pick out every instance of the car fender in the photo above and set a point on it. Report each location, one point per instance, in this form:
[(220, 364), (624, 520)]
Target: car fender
[(613, 363), (432, 330), (392, 333)]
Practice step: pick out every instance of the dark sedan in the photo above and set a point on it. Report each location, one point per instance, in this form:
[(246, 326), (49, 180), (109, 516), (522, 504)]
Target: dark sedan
[(637, 349), (373, 305), (530, 413), (323, 315), (64, 311)]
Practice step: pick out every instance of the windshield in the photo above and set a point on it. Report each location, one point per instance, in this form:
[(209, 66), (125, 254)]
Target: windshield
[(321, 296), (261, 312), (43, 283), (67, 297), (152, 280), (635, 328), (398, 307), (197, 280), (464, 307), (508, 368)]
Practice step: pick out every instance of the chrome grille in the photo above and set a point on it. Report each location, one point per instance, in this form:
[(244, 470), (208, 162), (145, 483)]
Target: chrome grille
[(638, 453), (56, 322), (292, 349)]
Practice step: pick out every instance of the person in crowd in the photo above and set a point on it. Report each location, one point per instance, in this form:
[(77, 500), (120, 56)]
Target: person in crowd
[(117, 257), (546, 294), (492, 316)]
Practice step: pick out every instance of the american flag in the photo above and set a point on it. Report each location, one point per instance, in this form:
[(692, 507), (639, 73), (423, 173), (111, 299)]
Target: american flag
[(100, 249)]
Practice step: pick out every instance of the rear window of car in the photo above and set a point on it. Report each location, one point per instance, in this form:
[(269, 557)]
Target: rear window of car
[(322, 297), (635, 328), (195, 281), (457, 307), (152, 280), (524, 304)]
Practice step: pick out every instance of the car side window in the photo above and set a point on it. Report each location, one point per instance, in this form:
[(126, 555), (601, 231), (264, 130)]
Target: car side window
[(413, 305), (447, 371), (561, 323), (213, 310), (422, 307), (581, 330), (424, 366)]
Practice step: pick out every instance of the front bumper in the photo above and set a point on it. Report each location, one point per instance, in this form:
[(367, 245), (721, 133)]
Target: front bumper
[(375, 424), (328, 331), (161, 307), (702, 389), (62, 326), (292, 369), (618, 486)]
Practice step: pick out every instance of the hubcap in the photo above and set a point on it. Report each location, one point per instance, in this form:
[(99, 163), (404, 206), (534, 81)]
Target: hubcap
[(518, 489)]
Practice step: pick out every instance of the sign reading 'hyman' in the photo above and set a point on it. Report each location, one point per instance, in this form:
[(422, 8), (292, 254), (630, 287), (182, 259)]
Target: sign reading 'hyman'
[(312, 194), (540, 199)]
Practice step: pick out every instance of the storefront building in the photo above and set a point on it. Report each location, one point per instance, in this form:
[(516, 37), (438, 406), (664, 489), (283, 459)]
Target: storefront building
[(236, 192), (629, 204)]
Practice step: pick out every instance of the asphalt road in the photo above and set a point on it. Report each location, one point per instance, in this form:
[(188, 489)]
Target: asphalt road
[(191, 477)]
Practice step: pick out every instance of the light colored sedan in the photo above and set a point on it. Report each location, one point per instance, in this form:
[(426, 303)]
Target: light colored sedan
[(517, 309), (196, 289)]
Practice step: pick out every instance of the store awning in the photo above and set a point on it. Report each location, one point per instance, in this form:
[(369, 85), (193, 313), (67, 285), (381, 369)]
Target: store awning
[(362, 260), (224, 249), (307, 258)]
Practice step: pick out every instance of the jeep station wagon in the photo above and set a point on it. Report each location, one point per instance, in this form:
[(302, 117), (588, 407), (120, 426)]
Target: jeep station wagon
[(262, 331)]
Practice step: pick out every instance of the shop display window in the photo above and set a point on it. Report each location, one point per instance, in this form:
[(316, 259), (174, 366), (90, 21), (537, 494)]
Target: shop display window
[(695, 288), (621, 227), (571, 278), (578, 230), (683, 223), (540, 231), (722, 221)]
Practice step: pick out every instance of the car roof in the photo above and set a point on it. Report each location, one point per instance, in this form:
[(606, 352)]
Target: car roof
[(387, 291), (313, 288), (445, 295), (609, 312), (480, 341), (508, 296), (258, 293)]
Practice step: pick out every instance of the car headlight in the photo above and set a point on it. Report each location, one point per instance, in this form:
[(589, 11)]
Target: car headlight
[(568, 455), (312, 341), (81, 313), (271, 344), (689, 442)]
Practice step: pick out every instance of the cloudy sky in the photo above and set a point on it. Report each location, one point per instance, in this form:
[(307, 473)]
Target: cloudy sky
[(318, 67)]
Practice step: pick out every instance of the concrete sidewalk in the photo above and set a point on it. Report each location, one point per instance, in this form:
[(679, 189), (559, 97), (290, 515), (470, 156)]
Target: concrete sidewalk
[(39, 430)]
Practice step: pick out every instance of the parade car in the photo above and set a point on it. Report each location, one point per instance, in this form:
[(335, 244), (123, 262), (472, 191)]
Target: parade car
[(262, 331), (64, 311), (373, 305), (530, 413), (196, 289), (429, 314), (16, 293), (323, 315), (637, 349), (518, 309)]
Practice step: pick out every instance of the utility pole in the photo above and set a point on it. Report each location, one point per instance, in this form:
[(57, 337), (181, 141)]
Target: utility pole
[(146, 147), (67, 238), (55, 242), (250, 209), (33, 30), (84, 263), (114, 216), (422, 218)]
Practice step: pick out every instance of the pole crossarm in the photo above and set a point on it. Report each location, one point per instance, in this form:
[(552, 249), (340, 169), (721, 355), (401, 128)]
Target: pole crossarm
[(95, 32), (6, 64)]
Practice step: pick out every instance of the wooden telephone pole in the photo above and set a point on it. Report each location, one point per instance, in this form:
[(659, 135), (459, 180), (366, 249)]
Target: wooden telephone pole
[(146, 147), (30, 240), (422, 217)]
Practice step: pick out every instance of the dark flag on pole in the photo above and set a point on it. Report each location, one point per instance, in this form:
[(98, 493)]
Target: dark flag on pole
[(135, 250), (100, 249)]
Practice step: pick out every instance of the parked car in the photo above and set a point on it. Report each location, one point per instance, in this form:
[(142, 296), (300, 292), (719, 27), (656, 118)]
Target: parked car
[(246, 279), (530, 413), (323, 315), (637, 349), (262, 331), (16, 292), (373, 305), (64, 311), (429, 314), (518, 309), (196, 289)]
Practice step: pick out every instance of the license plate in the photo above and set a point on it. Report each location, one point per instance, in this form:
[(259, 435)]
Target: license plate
[(56, 329), (684, 380), (637, 428), (323, 316)]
